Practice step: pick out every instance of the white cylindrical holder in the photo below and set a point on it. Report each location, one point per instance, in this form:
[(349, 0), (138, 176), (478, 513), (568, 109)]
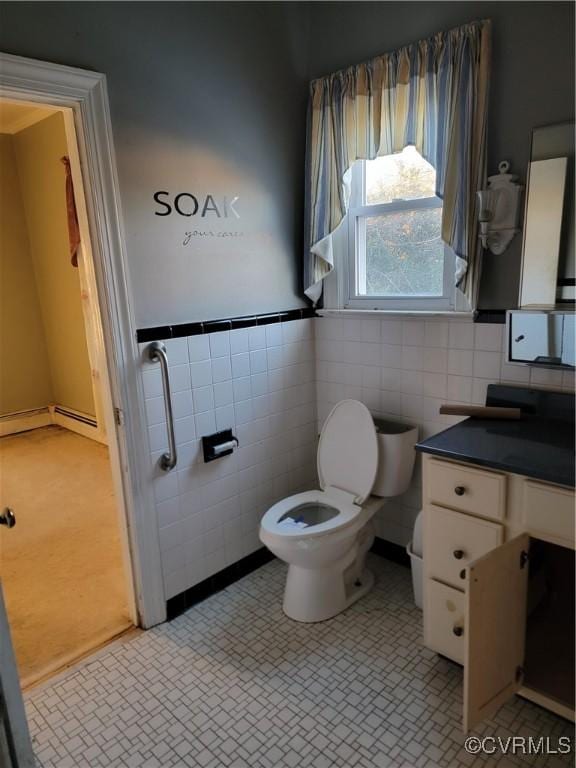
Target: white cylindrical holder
[(396, 443)]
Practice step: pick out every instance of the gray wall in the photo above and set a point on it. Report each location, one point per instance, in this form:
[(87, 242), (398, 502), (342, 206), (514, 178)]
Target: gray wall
[(205, 98), (532, 79), (211, 98)]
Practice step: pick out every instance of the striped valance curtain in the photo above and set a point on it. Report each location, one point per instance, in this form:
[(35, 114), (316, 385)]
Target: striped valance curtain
[(432, 94)]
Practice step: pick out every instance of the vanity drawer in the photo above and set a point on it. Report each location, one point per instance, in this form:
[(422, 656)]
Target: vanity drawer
[(454, 540), (469, 490), (445, 612), (549, 511)]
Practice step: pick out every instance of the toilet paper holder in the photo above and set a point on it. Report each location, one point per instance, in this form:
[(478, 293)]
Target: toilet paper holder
[(219, 444)]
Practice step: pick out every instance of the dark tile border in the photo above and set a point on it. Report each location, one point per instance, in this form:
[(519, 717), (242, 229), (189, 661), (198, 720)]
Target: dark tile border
[(390, 551), (163, 332), (490, 316), (178, 604)]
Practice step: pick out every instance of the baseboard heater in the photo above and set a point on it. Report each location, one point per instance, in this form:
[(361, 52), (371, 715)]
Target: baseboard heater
[(81, 417), (6, 417)]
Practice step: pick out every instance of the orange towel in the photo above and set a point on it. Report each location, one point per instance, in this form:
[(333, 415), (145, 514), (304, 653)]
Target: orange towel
[(73, 228)]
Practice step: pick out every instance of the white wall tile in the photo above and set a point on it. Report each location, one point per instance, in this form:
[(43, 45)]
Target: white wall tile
[(203, 399), (201, 373), (413, 333), (488, 336), (370, 329), (274, 335), (460, 362), (487, 365), (182, 404), (224, 417), (198, 348), (179, 376), (219, 344), (461, 335), (168, 511), (391, 331), (479, 389), (223, 393), (257, 337), (411, 383), (157, 438), (221, 369), (242, 389), (459, 389), (241, 365), (514, 373), (436, 334), (435, 360), (155, 410), (259, 384), (177, 351), (205, 423), (434, 384), (185, 430), (152, 381), (258, 361), (239, 341), (391, 379), (546, 377), (412, 358)]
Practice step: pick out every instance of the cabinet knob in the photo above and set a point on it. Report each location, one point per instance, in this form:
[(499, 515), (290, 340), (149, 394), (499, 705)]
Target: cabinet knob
[(463, 573), (459, 490), (458, 631), (458, 554)]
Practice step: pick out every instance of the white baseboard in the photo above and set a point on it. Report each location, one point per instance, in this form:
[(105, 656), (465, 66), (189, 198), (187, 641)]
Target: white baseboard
[(75, 421), (12, 423)]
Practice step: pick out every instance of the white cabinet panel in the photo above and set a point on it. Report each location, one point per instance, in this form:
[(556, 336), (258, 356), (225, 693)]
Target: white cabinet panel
[(444, 620), (549, 512), (454, 540), (474, 491)]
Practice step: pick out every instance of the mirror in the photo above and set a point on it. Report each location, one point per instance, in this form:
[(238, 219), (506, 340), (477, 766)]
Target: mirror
[(548, 249), (542, 338)]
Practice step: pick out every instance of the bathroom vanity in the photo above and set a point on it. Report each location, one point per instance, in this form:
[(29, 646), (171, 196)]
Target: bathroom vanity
[(499, 520)]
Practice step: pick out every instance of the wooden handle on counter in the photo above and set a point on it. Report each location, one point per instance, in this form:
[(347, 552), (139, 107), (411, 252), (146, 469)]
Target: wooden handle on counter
[(480, 411)]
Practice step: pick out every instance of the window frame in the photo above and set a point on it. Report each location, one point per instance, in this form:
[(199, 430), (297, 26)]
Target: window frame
[(358, 211)]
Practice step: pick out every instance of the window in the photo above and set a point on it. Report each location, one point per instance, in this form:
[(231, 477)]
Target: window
[(397, 257)]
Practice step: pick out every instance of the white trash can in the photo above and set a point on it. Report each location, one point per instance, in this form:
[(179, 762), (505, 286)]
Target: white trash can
[(414, 551)]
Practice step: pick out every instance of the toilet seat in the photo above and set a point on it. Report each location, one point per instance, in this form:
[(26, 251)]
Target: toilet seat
[(348, 450), (347, 464), (347, 513)]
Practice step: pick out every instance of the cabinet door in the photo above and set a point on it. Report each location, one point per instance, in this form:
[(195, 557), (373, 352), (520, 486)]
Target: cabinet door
[(497, 586)]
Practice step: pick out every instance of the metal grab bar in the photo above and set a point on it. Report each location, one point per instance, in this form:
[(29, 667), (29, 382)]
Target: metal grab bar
[(157, 353)]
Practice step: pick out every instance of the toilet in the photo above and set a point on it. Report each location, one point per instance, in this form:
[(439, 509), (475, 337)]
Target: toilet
[(324, 535)]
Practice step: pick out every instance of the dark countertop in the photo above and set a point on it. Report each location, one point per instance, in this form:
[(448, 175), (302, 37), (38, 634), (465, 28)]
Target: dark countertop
[(539, 445)]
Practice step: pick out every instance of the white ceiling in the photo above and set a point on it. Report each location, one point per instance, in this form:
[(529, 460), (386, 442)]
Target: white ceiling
[(15, 117)]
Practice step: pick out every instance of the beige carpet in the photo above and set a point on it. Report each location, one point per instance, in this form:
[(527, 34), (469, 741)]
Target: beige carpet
[(61, 565)]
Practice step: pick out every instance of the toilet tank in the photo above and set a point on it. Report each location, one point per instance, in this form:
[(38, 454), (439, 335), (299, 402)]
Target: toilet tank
[(396, 457)]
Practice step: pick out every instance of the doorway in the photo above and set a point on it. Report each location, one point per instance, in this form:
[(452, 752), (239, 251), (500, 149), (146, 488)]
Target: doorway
[(64, 565)]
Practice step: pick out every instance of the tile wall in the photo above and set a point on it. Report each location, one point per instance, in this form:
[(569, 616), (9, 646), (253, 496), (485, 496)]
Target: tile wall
[(260, 382), (405, 369)]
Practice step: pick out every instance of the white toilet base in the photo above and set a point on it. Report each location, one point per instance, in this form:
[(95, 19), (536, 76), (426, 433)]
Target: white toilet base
[(319, 594)]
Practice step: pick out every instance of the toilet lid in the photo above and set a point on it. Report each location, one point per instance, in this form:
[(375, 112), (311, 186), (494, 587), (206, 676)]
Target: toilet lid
[(348, 450)]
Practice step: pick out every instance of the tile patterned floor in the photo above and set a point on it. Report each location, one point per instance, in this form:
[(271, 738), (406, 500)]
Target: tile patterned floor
[(233, 683)]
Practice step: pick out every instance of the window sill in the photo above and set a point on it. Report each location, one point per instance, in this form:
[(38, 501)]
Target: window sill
[(399, 312)]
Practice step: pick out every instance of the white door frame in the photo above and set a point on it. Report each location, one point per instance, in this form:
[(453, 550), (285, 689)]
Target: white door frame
[(85, 94)]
